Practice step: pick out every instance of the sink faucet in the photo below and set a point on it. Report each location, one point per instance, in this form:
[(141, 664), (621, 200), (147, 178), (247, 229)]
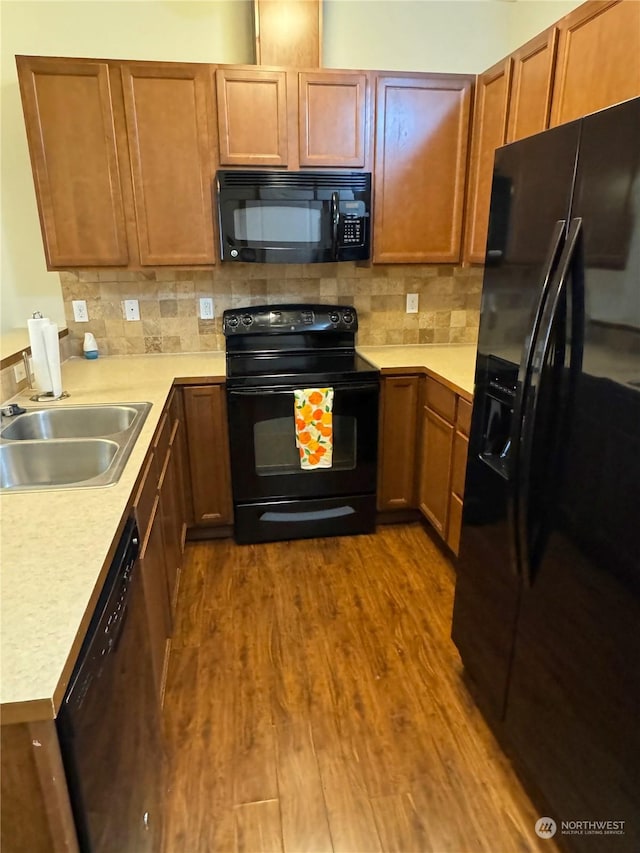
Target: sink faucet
[(27, 369), (12, 409)]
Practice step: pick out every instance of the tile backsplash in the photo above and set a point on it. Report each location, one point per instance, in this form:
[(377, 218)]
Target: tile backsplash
[(449, 303)]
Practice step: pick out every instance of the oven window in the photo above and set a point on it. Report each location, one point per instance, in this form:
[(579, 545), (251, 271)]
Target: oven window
[(263, 222), (276, 453)]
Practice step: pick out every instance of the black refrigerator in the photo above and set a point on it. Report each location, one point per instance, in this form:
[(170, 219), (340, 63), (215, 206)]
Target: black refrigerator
[(547, 605)]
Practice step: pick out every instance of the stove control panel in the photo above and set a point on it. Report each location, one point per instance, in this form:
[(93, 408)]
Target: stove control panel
[(282, 319)]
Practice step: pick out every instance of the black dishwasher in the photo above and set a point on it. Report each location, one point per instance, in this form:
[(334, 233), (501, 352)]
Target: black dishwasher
[(109, 723)]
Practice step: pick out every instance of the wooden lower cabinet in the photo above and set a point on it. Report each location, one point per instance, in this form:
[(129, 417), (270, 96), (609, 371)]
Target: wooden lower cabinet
[(181, 454), (35, 808), (435, 469), (397, 444), (169, 495), (208, 443), (159, 509), (458, 471), (156, 595), (444, 441), (422, 453)]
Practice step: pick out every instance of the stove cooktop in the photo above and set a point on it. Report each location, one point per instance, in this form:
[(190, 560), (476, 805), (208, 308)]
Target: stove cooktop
[(301, 369), (293, 345)]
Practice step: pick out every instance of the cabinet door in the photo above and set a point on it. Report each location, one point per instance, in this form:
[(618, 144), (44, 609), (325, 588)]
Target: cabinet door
[(171, 162), (207, 437), (179, 447), (421, 159), (489, 132), (397, 452), (598, 58), (252, 117), (171, 523), (435, 469), (154, 580), (531, 86), (70, 129), (288, 32), (332, 119), (458, 472)]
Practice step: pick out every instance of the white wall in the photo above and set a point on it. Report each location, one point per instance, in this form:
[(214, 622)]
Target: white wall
[(530, 17), (218, 31), (461, 36)]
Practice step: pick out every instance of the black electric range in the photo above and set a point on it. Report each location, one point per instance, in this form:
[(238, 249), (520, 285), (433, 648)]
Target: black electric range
[(271, 352)]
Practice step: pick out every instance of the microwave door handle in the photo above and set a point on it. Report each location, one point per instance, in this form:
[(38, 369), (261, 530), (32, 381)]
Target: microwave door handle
[(335, 219)]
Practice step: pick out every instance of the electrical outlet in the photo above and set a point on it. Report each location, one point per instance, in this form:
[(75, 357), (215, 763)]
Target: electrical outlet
[(206, 308), (131, 309), (19, 371), (412, 303), (80, 313)]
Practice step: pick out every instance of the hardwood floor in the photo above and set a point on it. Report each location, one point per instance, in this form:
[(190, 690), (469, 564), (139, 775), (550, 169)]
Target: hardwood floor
[(314, 702)]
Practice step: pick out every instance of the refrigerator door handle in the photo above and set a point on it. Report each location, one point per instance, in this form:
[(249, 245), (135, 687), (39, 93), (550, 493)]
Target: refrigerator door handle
[(528, 549), (515, 440)]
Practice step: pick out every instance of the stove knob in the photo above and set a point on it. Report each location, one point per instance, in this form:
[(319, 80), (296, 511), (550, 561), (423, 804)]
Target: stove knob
[(247, 319), (232, 321), (334, 316), (348, 318)]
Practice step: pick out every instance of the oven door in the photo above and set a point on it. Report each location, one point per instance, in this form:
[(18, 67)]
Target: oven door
[(265, 462)]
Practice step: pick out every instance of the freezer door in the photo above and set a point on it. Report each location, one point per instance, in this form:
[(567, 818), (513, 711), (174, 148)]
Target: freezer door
[(574, 695), (530, 209)]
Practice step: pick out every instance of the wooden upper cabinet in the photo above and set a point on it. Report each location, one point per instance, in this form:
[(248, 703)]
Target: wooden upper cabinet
[(288, 32), (332, 119), (531, 86), (252, 117), (422, 128), (598, 58), (489, 133), (172, 163), (70, 129)]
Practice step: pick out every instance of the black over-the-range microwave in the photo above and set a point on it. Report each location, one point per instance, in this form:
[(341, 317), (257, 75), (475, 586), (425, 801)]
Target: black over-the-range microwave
[(294, 217)]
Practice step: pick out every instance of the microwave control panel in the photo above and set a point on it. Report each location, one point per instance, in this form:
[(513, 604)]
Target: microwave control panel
[(351, 226), (350, 231)]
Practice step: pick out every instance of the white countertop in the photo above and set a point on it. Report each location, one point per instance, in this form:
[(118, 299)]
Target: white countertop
[(54, 544), (453, 362)]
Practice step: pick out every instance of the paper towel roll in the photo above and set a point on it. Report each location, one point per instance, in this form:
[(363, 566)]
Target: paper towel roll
[(42, 377), (52, 350)]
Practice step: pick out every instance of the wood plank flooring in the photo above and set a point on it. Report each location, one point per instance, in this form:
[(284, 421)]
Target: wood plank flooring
[(314, 703)]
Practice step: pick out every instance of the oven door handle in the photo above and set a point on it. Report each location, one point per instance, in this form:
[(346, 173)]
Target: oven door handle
[(267, 390)]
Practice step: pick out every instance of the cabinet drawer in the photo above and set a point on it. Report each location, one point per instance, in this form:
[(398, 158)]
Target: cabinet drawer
[(455, 523), (459, 465), (162, 438), (146, 495), (441, 400), (463, 421)]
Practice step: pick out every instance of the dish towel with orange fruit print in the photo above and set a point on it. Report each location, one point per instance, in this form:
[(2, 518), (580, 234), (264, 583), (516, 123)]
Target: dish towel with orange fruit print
[(313, 411)]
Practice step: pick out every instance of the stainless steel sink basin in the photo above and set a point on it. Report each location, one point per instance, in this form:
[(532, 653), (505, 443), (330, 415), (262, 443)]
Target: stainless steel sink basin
[(55, 463), (73, 422), (73, 447)]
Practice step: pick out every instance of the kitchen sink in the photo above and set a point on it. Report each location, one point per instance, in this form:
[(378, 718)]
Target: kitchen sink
[(68, 448), (55, 463), (73, 422)]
